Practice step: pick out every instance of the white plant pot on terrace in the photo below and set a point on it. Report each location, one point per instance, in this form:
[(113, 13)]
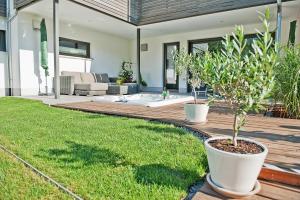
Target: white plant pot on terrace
[(196, 113), (232, 171)]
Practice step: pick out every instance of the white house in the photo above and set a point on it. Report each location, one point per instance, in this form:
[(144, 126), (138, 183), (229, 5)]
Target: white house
[(107, 31)]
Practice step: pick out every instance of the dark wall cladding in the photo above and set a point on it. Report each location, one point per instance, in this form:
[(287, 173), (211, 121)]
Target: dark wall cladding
[(3, 8), (124, 9), (163, 10), (20, 3), (118, 8), (143, 12)]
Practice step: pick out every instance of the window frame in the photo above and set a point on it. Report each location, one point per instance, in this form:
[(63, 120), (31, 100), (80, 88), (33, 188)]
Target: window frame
[(88, 53), (5, 47)]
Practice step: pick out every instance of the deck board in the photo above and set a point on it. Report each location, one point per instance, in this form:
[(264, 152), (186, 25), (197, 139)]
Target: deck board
[(281, 136)]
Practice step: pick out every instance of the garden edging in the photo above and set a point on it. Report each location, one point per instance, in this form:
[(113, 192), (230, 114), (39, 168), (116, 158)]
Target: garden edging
[(41, 174)]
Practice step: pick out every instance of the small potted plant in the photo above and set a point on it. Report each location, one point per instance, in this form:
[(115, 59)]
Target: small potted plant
[(143, 83), (190, 65), (243, 78), (126, 73), (165, 93)]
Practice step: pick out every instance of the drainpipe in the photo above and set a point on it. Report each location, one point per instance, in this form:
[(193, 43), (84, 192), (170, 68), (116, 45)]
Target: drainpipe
[(279, 19), (138, 57), (10, 19)]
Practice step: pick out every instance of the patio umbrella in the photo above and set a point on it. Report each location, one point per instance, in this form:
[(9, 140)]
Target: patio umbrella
[(44, 50)]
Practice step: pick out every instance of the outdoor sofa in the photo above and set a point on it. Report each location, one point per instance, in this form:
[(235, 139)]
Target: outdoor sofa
[(92, 84)]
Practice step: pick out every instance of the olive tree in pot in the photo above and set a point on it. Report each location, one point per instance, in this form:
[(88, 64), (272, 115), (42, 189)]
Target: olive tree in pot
[(188, 64), (244, 79)]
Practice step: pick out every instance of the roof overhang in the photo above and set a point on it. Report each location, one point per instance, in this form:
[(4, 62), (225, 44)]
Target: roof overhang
[(74, 14), (135, 13)]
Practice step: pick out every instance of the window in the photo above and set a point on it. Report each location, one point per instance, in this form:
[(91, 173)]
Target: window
[(215, 44), (199, 47), (2, 41), (74, 48)]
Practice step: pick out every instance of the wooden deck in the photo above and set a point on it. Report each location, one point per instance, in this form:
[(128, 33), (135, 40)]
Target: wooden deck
[(282, 136), (269, 191)]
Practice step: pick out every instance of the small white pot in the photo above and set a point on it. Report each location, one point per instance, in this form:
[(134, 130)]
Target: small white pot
[(196, 113), (232, 171)]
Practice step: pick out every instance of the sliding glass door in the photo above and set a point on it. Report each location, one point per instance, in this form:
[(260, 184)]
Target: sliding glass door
[(170, 77), (199, 47)]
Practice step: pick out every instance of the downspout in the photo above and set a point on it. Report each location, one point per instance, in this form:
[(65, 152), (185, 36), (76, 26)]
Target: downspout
[(10, 19), (138, 57), (279, 19)]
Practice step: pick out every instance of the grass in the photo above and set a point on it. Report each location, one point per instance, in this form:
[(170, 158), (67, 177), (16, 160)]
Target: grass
[(18, 182), (103, 157)]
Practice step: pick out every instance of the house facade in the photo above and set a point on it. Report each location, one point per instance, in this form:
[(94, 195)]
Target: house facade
[(97, 36)]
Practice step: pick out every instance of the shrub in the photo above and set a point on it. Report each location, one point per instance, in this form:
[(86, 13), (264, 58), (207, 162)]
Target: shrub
[(244, 78), (189, 64), (287, 80)]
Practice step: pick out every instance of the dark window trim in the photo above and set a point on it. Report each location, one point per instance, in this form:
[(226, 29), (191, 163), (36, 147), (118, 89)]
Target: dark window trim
[(88, 55)]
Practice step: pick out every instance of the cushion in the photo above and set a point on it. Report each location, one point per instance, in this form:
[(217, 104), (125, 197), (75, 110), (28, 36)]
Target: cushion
[(91, 86), (87, 78), (113, 79), (101, 78), (90, 93), (76, 75)]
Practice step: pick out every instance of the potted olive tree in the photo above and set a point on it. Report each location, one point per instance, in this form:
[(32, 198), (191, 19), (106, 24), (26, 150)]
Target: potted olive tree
[(244, 79), (189, 65)]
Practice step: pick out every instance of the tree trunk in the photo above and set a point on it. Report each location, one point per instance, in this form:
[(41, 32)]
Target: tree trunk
[(195, 95), (235, 130)]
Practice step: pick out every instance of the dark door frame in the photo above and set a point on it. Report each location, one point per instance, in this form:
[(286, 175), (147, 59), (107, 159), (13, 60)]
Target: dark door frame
[(164, 65)]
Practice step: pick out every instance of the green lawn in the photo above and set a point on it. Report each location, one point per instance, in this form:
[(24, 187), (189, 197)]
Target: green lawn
[(18, 182), (103, 157)]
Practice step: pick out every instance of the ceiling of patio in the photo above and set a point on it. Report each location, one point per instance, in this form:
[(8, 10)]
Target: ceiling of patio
[(223, 19), (75, 14)]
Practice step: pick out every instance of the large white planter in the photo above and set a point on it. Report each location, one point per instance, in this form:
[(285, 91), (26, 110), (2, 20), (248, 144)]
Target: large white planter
[(232, 171), (196, 113)]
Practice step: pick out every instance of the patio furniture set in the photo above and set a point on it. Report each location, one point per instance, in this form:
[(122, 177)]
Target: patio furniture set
[(93, 84)]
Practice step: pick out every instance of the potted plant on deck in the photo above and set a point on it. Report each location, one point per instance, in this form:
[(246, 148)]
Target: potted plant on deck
[(189, 64), (126, 73), (244, 79), (126, 78)]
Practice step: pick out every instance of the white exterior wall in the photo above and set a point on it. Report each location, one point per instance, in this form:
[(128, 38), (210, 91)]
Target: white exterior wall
[(3, 73), (298, 30), (107, 53), (152, 60), (3, 64)]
